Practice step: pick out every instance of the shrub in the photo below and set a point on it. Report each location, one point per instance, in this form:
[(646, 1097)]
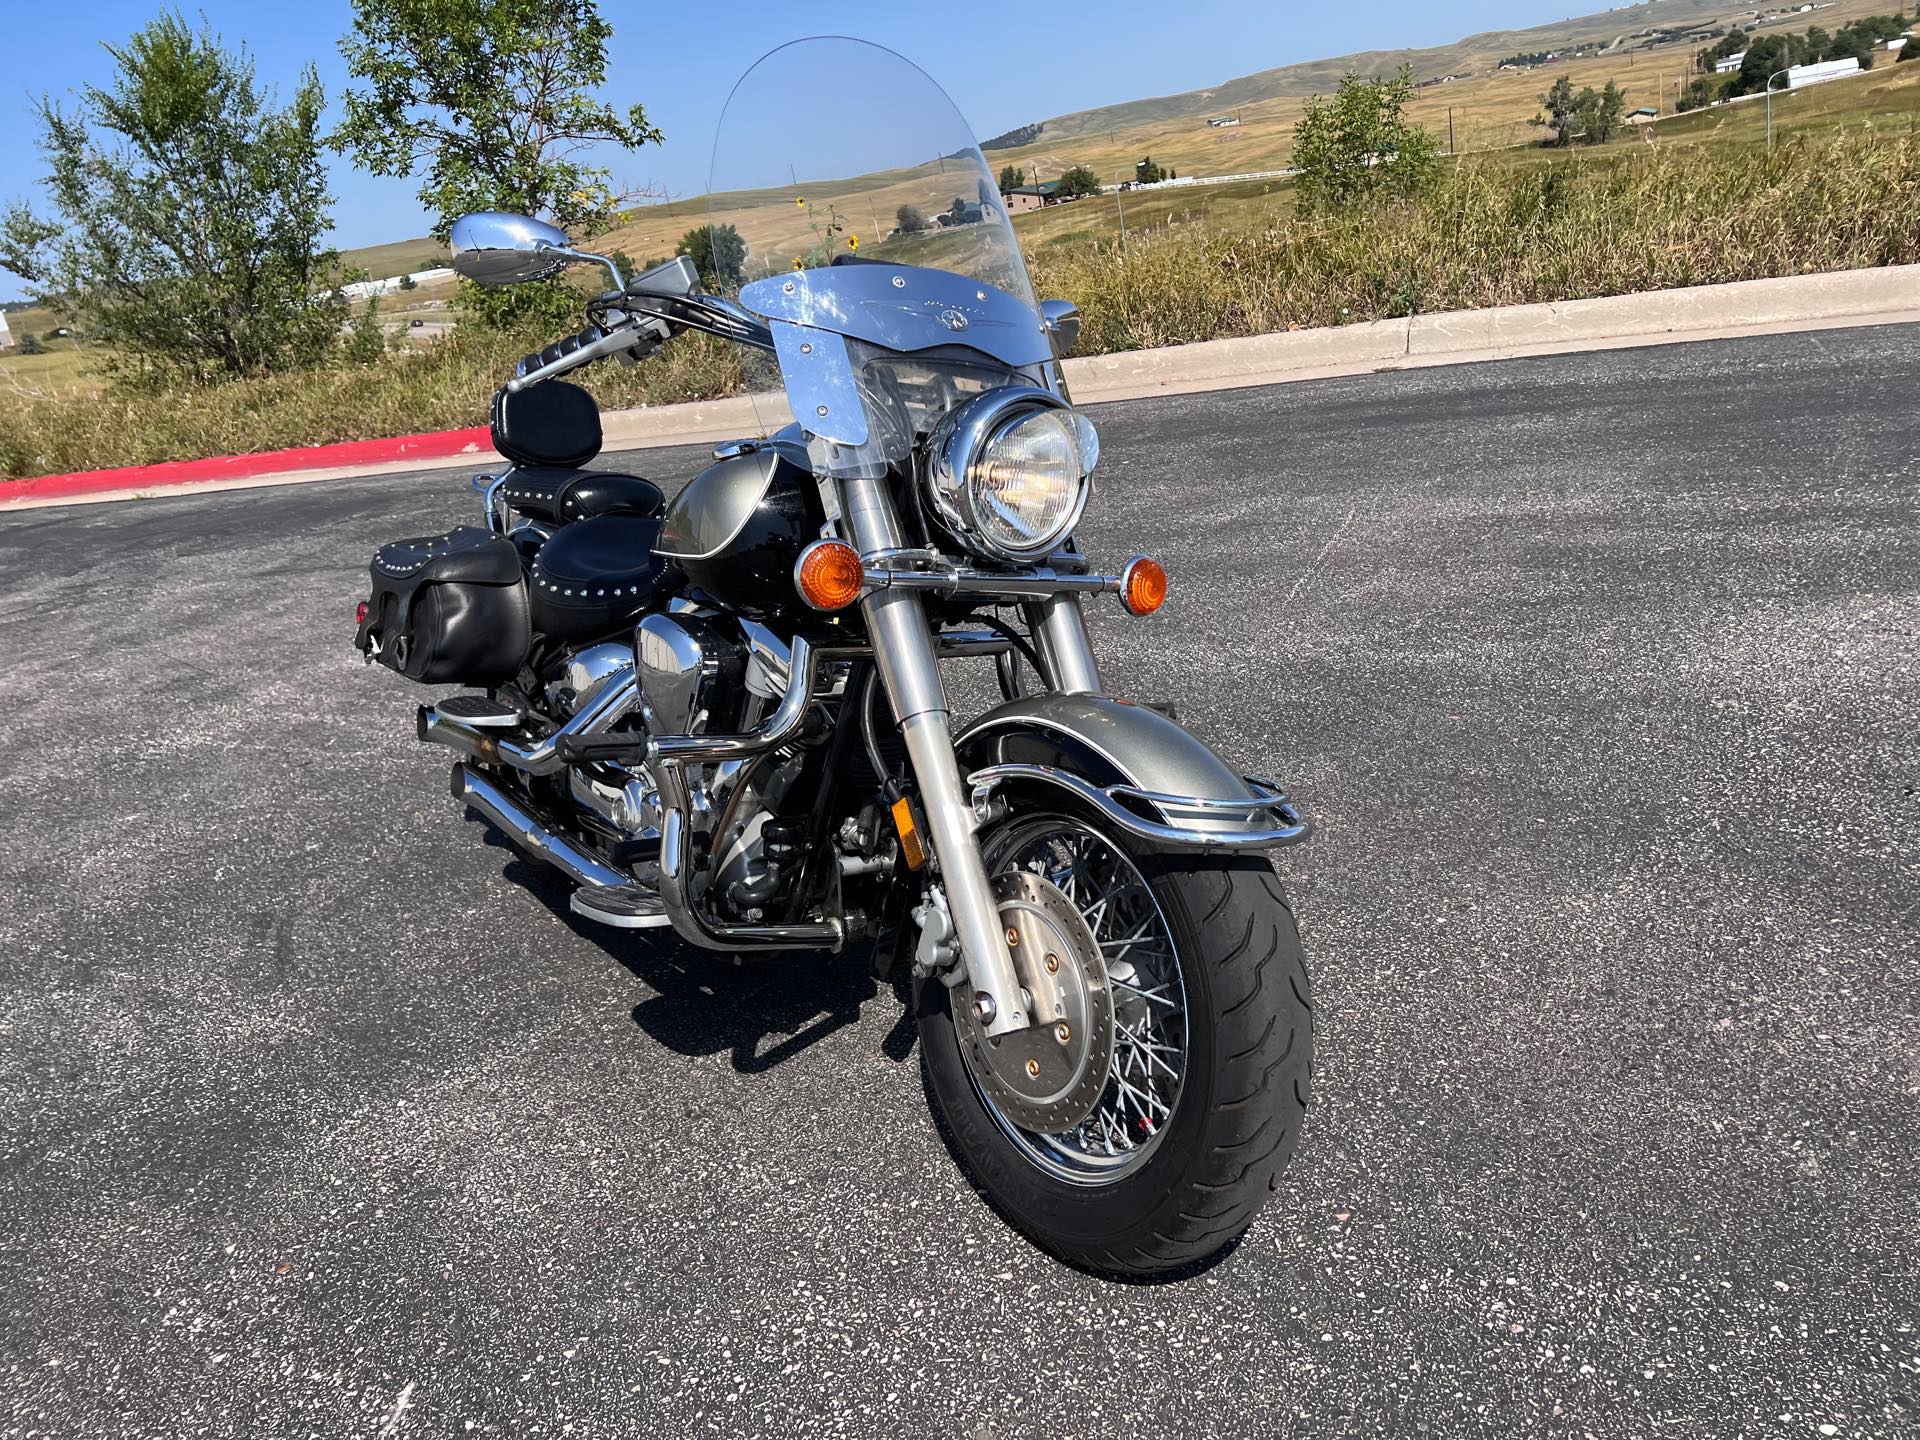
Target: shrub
[(1360, 145)]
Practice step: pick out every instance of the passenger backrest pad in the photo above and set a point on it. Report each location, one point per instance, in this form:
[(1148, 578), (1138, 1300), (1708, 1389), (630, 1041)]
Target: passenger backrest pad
[(552, 423)]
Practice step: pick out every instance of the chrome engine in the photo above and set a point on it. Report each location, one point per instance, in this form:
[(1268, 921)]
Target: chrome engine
[(697, 672)]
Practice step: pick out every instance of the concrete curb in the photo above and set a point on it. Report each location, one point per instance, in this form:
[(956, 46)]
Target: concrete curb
[(1889, 295), (1832, 300)]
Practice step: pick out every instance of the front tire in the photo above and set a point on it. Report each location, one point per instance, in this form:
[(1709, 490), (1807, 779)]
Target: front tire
[(1135, 1191)]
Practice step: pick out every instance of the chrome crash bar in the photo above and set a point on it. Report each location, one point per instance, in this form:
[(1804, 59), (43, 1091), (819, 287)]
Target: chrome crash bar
[(1266, 798), (667, 759)]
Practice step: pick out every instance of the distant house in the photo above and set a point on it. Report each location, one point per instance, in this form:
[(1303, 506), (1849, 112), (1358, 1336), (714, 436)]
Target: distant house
[(1730, 64), (1022, 198), (1221, 122), (1645, 115), (1899, 42), (1801, 76), (6, 335), (962, 213)]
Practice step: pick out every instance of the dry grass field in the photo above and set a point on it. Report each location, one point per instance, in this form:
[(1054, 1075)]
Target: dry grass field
[(1489, 109)]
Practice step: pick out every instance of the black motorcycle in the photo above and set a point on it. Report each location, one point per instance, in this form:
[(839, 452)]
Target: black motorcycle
[(726, 714)]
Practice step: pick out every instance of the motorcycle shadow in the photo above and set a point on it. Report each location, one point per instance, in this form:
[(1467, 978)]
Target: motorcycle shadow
[(760, 1010)]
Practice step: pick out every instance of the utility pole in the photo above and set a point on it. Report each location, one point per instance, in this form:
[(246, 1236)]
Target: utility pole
[(1452, 148)]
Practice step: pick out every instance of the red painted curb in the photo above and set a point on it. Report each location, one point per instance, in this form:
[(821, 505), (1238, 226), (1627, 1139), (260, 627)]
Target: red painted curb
[(429, 446)]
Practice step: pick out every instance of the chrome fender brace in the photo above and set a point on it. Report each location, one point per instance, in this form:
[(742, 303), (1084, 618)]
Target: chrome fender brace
[(1132, 765)]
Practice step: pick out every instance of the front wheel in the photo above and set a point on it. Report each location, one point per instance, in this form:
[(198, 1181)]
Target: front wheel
[(1212, 1051)]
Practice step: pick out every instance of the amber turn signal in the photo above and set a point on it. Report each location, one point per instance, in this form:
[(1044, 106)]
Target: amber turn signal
[(829, 575), (1143, 586)]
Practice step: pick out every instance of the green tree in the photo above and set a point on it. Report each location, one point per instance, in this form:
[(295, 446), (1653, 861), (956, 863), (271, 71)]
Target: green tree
[(719, 253), (1560, 111), (1592, 114), (407, 282), (1145, 172), (1819, 44), (1909, 51), (910, 220), (189, 213), (1603, 112), (30, 344), (1851, 44), (1702, 92), (491, 103), (1766, 57), (1078, 180), (1361, 146), (1012, 177)]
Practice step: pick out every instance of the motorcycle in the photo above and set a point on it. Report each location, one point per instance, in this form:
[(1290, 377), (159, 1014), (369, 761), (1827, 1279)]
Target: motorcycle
[(725, 716)]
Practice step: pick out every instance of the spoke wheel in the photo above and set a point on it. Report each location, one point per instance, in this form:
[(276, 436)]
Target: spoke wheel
[(1142, 963), (1206, 1085)]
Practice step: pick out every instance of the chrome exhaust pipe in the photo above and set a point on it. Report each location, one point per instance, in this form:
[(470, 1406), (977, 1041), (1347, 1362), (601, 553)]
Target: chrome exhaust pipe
[(540, 757), (514, 821)]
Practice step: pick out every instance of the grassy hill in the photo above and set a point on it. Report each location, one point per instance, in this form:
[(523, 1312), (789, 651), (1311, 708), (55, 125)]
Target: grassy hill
[(397, 257), (1619, 35), (1482, 108), (1618, 30)]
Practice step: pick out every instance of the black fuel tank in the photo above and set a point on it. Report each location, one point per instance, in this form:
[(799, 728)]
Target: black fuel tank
[(737, 528)]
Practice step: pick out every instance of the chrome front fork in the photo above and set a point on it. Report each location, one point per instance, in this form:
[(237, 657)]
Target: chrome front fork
[(903, 652)]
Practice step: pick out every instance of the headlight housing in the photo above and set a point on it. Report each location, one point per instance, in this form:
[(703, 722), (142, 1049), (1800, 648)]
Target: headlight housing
[(1009, 472)]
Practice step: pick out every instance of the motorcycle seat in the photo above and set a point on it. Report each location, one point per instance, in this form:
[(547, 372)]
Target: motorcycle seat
[(560, 495), (597, 576)]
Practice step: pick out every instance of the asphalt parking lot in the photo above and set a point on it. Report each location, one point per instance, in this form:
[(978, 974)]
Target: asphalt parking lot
[(322, 1116)]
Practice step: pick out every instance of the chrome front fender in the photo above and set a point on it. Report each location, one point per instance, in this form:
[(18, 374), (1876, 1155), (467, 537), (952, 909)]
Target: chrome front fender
[(1139, 769)]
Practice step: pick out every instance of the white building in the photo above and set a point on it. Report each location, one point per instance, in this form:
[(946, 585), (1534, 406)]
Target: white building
[(6, 335), (1801, 76), (362, 289), (1899, 42), (1730, 64)]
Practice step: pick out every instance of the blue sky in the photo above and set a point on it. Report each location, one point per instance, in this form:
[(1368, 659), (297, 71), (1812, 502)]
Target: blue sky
[(1005, 64)]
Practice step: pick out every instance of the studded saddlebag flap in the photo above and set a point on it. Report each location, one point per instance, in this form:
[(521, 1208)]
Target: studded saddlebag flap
[(448, 609)]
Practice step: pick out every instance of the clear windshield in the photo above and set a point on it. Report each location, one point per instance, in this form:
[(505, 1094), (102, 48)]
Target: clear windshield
[(850, 207)]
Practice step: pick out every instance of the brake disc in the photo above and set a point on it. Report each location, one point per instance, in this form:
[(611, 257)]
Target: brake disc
[(1048, 1077)]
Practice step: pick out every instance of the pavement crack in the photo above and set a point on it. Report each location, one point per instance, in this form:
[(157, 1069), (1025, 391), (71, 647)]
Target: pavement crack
[(1307, 574)]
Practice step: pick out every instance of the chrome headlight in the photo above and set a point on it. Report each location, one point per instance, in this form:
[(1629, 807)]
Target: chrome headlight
[(1009, 471)]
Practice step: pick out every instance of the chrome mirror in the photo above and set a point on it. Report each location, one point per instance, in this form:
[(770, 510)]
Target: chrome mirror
[(492, 247), (1062, 321)]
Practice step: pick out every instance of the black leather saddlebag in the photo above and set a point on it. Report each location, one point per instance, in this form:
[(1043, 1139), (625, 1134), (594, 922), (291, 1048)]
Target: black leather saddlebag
[(448, 609)]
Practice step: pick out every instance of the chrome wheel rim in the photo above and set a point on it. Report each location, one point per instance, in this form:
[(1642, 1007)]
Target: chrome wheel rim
[(1150, 1047)]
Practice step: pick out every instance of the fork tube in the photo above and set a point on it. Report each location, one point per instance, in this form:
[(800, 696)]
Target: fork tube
[(1060, 630), (903, 653)]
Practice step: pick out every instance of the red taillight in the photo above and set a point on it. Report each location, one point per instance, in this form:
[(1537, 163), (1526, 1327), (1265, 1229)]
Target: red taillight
[(360, 613)]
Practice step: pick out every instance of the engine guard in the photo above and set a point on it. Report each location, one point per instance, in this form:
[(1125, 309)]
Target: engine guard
[(1133, 765)]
